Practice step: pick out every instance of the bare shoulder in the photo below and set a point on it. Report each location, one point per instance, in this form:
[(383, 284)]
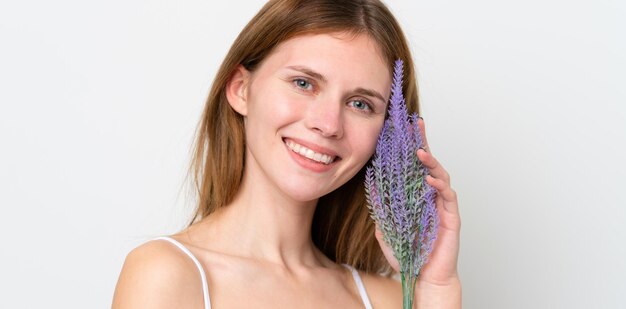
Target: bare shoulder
[(157, 274), (383, 292)]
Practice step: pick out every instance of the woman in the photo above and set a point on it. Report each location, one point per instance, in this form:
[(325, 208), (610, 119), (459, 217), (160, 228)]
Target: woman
[(291, 120)]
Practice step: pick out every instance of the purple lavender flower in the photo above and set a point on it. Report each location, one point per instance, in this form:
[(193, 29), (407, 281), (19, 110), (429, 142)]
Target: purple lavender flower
[(400, 201)]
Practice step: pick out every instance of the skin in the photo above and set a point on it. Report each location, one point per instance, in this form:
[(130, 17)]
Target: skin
[(309, 89)]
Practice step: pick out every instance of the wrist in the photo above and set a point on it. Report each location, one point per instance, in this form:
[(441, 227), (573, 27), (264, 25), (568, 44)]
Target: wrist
[(443, 295)]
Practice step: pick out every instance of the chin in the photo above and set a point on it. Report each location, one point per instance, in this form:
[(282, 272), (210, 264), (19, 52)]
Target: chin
[(303, 197), (304, 193)]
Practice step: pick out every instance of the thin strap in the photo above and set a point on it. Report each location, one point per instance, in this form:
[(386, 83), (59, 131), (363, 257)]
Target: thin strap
[(205, 285), (359, 284)]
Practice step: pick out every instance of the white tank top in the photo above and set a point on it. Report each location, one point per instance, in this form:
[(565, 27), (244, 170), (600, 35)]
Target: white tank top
[(205, 286)]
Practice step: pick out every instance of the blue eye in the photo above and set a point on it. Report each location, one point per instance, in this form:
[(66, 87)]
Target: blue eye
[(361, 105), (302, 83)]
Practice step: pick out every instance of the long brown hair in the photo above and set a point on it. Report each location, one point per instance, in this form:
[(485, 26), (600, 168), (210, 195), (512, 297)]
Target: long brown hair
[(341, 226)]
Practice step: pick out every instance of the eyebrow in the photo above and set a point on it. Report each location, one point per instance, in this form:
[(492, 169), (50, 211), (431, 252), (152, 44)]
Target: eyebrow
[(371, 93), (308, 71), (360, 90)]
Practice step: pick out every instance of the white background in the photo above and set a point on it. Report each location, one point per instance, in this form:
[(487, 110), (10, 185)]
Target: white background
[(523, 102)]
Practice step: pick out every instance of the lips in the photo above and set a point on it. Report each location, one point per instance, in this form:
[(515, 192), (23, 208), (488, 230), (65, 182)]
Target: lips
[(316, 153), (315, 156)]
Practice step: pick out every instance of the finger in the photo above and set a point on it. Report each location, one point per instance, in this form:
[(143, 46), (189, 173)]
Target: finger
[(387, 251), (444, 191), (436, 169), (378, 233), (422, 126)]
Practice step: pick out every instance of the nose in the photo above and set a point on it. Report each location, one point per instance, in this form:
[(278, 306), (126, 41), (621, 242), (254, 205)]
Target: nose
[(325, 118)]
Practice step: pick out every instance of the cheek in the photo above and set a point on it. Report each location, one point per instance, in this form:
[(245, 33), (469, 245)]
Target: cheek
[(276, 107), (365, 138)]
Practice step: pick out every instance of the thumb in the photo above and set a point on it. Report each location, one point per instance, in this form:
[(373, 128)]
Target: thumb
[(387, 251)]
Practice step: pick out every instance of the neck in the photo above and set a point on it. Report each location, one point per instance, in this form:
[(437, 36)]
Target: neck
[(263, 224)]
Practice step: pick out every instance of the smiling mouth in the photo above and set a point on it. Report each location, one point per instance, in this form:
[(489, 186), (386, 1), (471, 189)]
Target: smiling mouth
[(310, 154)]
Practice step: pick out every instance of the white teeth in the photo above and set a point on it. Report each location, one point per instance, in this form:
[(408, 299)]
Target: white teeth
[(319, 157)]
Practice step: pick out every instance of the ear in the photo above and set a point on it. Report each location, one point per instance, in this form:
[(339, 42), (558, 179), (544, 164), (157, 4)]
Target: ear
[(236, 90)]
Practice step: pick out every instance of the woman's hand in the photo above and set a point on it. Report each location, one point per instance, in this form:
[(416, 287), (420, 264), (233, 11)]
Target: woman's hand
[(439, 275)]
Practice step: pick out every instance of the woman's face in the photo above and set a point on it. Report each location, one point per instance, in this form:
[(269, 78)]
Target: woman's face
[(314, 108)]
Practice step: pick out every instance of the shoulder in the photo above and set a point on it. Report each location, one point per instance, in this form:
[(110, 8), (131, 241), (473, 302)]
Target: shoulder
[(383, 292), (157, 274)]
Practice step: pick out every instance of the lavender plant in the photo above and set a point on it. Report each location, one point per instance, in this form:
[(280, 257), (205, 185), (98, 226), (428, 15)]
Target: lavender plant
[(399, 200)]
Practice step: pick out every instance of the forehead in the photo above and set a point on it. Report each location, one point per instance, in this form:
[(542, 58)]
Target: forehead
[(338, 56)]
